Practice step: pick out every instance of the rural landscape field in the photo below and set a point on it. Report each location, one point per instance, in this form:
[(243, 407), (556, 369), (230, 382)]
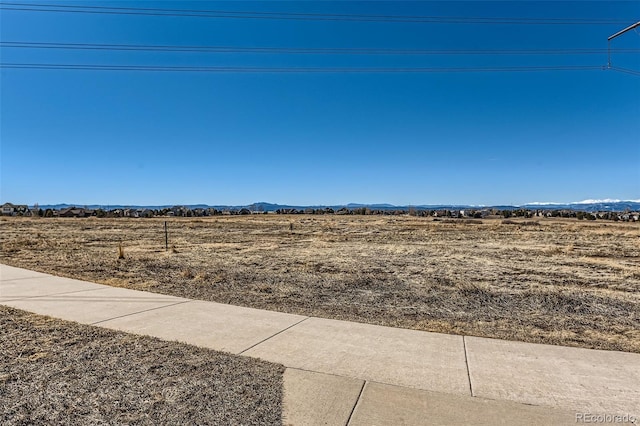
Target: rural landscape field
[(564, 282)]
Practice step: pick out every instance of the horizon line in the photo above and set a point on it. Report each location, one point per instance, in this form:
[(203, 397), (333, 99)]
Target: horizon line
[(534, 203)]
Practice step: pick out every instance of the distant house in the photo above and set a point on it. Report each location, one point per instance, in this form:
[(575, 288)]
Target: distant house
[(146, 213), (9, 209), (442, 213), (73, 212), (179, 210), (138, 213)]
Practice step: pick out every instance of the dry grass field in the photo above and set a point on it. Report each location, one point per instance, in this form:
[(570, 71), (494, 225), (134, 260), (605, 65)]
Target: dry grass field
[(55, 372), (569, 282)]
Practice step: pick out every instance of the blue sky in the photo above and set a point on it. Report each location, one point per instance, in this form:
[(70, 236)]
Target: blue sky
[(125, 137)]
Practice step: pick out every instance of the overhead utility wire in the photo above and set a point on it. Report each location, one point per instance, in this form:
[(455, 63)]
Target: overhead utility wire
[(624, 70), (304, 50), (34, 7), (264, 70)]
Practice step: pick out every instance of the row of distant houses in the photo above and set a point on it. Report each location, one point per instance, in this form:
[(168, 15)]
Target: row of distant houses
[(9, 209)]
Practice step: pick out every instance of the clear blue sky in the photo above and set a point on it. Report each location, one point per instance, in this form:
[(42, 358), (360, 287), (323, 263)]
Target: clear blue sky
[(125, 137)]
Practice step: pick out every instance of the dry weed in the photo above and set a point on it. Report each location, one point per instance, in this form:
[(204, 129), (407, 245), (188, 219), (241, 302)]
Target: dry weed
[(187, 273)]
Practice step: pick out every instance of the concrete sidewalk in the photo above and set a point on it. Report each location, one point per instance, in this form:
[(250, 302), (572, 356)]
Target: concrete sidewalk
[(345, 373)]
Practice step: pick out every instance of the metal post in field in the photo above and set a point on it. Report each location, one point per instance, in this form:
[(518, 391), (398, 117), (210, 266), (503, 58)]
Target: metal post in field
[(166, 236)]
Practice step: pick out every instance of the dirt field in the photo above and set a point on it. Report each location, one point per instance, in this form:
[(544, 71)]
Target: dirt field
[(59, 372), (570, 282)]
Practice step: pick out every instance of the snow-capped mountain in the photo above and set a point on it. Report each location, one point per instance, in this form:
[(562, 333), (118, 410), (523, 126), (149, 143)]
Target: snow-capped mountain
[(589, 205)]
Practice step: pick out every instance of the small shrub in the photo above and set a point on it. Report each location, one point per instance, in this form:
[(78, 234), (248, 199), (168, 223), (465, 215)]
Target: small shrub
[(554, 250), (202, 276), (264, 288), (120, 251)]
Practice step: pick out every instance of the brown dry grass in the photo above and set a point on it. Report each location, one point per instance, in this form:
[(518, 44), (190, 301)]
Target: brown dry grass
[(59, 372), (555, 281)]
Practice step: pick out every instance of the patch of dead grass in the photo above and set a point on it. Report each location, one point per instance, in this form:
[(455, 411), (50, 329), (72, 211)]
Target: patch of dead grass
[(59, 372), (561, 282)]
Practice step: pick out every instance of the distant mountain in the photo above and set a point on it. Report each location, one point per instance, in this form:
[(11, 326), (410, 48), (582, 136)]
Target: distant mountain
[(586, 205), (371, 206), (589, 205)]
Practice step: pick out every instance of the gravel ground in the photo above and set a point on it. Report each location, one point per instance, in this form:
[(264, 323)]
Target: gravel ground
[(59, 372)]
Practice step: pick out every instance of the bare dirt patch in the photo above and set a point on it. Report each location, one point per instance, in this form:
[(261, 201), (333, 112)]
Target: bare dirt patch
[(59, 372), (565, 282)]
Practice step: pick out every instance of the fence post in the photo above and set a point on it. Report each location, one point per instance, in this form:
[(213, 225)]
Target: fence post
[(166, 237)]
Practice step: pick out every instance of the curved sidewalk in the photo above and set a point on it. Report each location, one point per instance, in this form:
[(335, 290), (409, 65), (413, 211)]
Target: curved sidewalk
[(345, 373)]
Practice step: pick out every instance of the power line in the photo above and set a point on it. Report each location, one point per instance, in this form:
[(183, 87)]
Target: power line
[(61, 8), (304, 50), (625, 70), (273, 70)]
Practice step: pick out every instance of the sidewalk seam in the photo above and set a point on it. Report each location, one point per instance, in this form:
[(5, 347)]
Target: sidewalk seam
[(54, 294), (273, 335), (355, 406), (139, 312), (328, 374), (29, 278), (466, 362)]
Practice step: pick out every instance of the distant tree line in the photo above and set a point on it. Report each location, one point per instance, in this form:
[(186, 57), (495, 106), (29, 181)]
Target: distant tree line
[(183, 211)]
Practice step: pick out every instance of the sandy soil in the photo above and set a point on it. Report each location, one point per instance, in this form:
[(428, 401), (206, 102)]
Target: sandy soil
[(568, 282)]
